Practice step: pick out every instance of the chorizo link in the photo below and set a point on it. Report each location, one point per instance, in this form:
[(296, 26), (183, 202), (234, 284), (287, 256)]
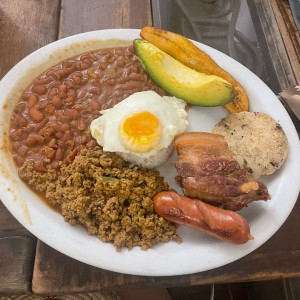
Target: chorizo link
[(214, 221)]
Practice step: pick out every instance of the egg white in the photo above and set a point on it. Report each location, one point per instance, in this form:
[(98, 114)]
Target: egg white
[(170, 111)]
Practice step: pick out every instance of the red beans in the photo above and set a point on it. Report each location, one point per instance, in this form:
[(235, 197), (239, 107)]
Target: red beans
[(16, 145), (84, 139), (34, 139), (43, 80), (41, 125), (36, 115), (63, 88), (73, 113), (15, 134), (77, 79), (81, 125), (55, 164), (120, 62), (95, 104), (39, 89), (22, 121), (65, 127), (23, 150), (56, 101), (50, 124), (40, 166), (59, 154), (19, 160), (94, 90), (119, 52), (50, 152), (53, 143), (72, 93), (50, 109), (55, 126), (62, 94), (20, 107), (91, 144), (32, 100)]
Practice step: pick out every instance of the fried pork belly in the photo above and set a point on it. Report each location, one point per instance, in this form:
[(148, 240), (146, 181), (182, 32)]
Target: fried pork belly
[(209, 172)]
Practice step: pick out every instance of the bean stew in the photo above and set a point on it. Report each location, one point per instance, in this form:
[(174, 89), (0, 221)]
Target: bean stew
[(50, 123)]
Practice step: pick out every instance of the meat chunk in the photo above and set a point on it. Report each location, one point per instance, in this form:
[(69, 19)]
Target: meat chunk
[(209, 172)]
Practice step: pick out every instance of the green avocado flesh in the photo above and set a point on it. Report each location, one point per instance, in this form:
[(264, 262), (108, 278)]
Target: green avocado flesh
[(181, 81)]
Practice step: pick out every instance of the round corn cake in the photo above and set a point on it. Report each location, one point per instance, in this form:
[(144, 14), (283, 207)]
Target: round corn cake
[(257, 141)]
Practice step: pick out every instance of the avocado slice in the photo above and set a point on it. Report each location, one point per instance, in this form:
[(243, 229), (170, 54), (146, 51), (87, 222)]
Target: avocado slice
[(181, 81)]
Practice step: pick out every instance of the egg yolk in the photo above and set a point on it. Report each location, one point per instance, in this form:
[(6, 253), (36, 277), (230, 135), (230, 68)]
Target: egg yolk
[(140, 132)]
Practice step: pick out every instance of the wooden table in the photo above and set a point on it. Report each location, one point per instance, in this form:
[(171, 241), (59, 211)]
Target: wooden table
[(28, 265)]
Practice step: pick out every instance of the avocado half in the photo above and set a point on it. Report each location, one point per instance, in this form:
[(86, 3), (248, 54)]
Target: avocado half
[(181, 81)]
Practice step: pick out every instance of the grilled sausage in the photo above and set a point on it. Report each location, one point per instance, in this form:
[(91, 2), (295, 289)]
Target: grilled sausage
[(222, 224)]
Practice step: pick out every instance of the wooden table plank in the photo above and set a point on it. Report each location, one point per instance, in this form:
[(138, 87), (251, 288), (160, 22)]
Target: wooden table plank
[(276, 60), (91, 15), (58, 274), (28, 25), (17, 248), (272, 260), (16, 263), (25, 27), (54, 273), (289, 32), (95, 15)]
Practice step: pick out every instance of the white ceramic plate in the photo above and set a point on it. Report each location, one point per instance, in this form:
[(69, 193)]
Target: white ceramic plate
[(197, 252)]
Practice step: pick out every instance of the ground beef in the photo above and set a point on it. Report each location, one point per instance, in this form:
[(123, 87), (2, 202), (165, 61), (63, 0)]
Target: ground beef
[(108, 196)]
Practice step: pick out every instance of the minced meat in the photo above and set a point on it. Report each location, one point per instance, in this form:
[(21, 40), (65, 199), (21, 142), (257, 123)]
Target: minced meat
[(108, 196)]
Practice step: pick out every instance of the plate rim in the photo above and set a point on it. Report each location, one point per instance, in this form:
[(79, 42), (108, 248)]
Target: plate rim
[(128, 269)]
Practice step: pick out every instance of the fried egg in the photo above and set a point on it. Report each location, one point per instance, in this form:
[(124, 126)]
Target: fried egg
[(141, 128)]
